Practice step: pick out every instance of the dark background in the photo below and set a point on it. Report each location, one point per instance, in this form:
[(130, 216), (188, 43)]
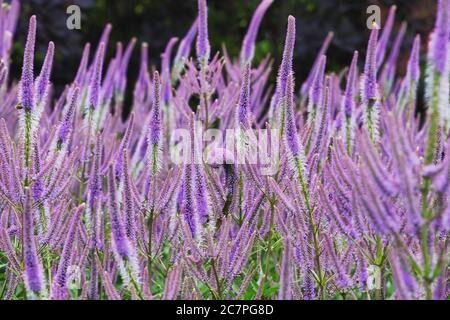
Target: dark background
[(155, 21)]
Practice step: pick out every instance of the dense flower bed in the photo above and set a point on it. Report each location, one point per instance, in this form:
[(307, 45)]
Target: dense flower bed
[(217, 186)]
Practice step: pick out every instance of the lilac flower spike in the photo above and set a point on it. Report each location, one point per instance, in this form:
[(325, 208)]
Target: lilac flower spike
[(370, 87), (34, 276), (27, 80), (440, 43), (316, 90), (243, 109), (285, 272), (414, 61), (189, 203), (291, 138), (60, 282), (123, 251), (82, 69), (248, 45), (286, 63), (349, 102), (203, 47), (44, 77), (96, 78), (283, 73), (385, 35), (323, 49), (66, 124), (184, 50), (91, 198), (349, 98), (154, 149)]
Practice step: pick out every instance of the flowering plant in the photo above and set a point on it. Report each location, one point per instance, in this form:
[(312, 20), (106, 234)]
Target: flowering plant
[(355, 204)]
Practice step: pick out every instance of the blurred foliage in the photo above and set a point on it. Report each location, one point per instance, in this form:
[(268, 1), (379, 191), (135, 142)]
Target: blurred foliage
[(155, 21)]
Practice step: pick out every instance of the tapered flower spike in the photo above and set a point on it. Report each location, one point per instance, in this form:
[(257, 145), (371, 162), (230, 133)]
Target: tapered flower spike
[(96, 78), (341, 276), (60, 282), (350, 96), (184, 50), (42, 82), (278, 103), (122, 78), (93, 197), (286, 272), (129, 210), (243, 109), (27, 81), (286, 63), (306, 86), (370, 87), (34, 275), (349, 102), (437, 88), (166, 79), (154, 149), (370, 69), (388, 73), (203, 47), (414, 61), (189, 203), (248, 45), (440, 38), (118, 233), (104, 38), (66, 124), (125, 143), (124, 253), (385, 35), (292, 140), (316, 91), (82, 69)]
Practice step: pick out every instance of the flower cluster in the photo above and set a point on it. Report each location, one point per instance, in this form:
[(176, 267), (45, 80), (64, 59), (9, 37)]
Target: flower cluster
[(358, 207)]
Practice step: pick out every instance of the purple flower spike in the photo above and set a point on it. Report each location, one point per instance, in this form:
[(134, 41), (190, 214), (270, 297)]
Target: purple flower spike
[(292, 140), (130, 214), (440, 37), (118, 232), (323, 49), (184, 48), (27, 81), (82, 69), (370, 69), (44, 77), (286, 272), (414, 61), (203, 47), (96, 78), (349, 98), (154, 150), (316, 91), (243, 109), (385, 35), (66, 124), (60, 283), (34, 276), (125, 61), (118, 168), (286, 63), (248, 45)]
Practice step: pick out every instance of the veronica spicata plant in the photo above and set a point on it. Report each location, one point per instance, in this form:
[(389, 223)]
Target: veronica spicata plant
[(357, 205)]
